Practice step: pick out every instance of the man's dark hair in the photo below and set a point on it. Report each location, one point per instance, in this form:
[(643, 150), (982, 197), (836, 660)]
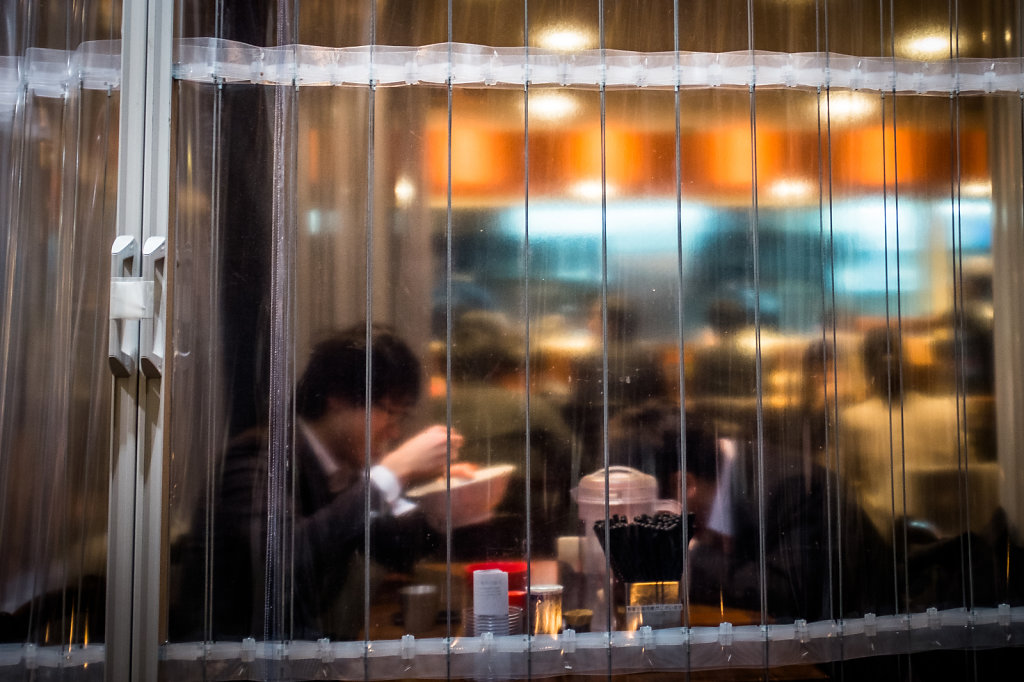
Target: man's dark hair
[(337, 369), (646, 437), (882, 355), (701, 453)]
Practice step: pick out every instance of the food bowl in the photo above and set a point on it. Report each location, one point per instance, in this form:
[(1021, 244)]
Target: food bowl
[(473, 500)]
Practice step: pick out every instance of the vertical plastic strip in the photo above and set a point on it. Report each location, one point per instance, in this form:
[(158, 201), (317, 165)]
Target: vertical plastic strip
[(902, 541), (834, 523), (212, 377), (959, 372), (277, 615), (605, 412), (524, 264), (828, 340), (886, 227), (449, 323), (65, 343), (755, 246), (11, 191), (959, 332), (525, 299), (371, 120)]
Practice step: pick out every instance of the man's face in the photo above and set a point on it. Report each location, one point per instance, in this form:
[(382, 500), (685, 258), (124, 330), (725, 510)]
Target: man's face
[(348, 429), (700, 495), (387, 420)]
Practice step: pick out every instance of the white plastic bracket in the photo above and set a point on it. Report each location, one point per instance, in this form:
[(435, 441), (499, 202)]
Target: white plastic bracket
[(151, 342), (124, 296)]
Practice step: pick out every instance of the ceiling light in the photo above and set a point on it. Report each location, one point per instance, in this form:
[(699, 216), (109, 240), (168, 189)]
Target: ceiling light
[(789, 189), (552, 106), (564, 38), (926, 46), (980, 189), (591, 190), (405, 192), (849, 106)]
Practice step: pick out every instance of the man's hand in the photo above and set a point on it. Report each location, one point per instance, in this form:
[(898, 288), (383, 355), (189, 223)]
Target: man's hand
[(423, 456)]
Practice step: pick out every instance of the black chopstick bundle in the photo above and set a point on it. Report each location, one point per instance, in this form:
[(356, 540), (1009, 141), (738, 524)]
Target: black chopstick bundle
[(650, 549)]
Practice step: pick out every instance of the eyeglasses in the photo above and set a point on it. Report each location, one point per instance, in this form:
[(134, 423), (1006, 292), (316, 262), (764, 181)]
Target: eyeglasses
[(397, 412)]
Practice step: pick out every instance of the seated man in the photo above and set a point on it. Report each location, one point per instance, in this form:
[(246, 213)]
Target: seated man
[(803, 543), (284, 538)]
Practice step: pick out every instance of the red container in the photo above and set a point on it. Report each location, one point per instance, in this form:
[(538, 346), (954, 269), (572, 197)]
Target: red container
[(516, 579)]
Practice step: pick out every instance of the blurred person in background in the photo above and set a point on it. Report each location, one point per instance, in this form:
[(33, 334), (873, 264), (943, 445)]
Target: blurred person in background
[(811, 526), (635, 375), (489, 409), (900, 435)]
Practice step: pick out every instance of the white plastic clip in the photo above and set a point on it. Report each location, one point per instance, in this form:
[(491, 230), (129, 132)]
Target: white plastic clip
[(408, 650), (646, 636), (802, 632), (933, 618), (487, 641), (715, 74), (789, 77), (152, 328), (870, 624), (489, 78), (323, 649), (856, 77), (568, 641), (641, 74), (725, 634), (127, 303), (248, 650), (919, 82), (990, 80), (1003, 611), (564, 69), (256, 69)]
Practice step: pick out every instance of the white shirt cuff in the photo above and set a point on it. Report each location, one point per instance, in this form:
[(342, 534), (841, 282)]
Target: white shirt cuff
[(387, 483)]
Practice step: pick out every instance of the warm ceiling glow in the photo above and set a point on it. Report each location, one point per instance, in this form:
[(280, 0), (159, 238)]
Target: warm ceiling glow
[(405, 192), (927, 46), (980, 189), (591, 190), (851, 106), (565, 38), (788, 189), (552, 106)]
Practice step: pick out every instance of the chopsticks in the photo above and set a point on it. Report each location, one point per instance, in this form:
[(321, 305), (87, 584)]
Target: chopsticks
[(648, 549)]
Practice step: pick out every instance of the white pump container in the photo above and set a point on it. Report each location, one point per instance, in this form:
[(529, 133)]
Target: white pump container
[(630, 493)]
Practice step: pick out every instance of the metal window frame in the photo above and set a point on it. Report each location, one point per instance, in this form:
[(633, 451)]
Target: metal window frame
[(137, 491)]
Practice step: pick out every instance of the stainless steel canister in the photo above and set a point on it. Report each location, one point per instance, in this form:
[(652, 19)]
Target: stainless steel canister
[(545, 609)]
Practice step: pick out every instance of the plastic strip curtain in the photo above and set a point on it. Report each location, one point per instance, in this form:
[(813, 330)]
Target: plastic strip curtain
[(769, 272), (58, 184), (692, 222)]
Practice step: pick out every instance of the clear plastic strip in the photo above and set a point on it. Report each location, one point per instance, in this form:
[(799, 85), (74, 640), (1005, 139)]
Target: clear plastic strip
[(97, 65), (680, 316), (605, 411), (645, 650)]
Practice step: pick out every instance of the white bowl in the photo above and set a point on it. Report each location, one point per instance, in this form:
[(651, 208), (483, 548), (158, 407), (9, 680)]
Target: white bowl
[(473, 500)]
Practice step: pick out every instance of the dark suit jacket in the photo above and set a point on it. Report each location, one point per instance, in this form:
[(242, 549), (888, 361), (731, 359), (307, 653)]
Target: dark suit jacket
[(821, 557), (277, 571)]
